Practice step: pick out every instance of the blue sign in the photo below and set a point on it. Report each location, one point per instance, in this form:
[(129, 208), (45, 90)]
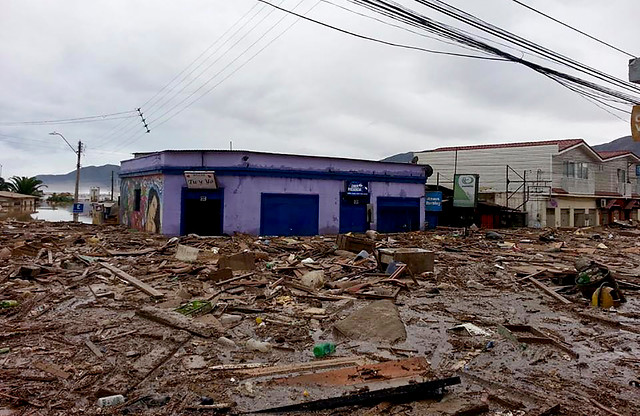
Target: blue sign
[(78, 208), (357, 188), (433, 201), (637, 170)]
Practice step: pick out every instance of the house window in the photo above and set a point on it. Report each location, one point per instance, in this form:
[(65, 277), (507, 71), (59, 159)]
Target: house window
[(622, 177), (137, 194), (576, 170)]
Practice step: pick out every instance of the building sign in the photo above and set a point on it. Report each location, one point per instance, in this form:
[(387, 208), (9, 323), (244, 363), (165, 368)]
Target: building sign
[(637, 170), (465, 191), (201, 180), (635, 123), (433, 201), (78, 208), (357, 188)]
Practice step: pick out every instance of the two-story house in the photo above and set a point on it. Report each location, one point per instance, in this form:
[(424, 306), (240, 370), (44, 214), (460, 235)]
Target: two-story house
[(558, 183)]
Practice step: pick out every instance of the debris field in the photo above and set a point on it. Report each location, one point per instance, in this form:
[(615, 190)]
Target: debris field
[(105, 320)]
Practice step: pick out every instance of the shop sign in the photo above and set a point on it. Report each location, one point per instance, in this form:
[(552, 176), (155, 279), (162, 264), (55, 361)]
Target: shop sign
[(465, 191), (357, 188), (201, 179), (433, 201)]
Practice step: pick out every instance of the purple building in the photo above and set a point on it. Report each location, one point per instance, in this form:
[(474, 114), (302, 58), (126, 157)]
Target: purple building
[(207, 192)]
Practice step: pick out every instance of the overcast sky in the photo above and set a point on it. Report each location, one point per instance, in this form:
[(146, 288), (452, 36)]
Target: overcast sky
[(312, 91)]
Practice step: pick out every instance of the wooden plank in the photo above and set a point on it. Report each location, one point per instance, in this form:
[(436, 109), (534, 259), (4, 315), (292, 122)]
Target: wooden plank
[(179, 321), (51, 369), (314, 365), (550, 291), (139, 284), (94, 348)]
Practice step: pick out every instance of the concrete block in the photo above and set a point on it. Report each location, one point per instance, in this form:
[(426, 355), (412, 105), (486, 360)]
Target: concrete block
[(418, 260)]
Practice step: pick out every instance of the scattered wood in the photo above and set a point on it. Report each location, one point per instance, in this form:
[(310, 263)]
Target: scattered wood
[(51, 369), (94, 348), (133, 280), (179, 321), (296, 368)]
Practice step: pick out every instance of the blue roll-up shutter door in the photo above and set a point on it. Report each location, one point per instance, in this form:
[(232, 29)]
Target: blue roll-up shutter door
[(398, 214), (289, 214)]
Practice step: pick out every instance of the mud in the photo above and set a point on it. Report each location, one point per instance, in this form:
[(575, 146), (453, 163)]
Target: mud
[(51, 369)]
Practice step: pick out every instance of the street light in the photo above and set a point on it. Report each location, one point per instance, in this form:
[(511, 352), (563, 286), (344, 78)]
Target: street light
[(77, 152)]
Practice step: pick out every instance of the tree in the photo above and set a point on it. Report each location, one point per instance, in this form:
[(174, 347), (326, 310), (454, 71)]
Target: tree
[(26, 186), (4, 186)]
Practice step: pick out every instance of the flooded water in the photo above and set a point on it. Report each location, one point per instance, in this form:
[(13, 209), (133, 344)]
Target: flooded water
[(51, 213)]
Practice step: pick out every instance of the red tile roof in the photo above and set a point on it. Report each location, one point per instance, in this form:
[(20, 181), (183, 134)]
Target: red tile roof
[(558, 191), (608, 154), (562, 145)]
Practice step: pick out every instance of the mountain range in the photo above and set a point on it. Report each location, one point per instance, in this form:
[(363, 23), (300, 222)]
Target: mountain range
[(623, 143), (90, 176)]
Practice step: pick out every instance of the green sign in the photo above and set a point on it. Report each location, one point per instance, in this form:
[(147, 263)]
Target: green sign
[(465, 191)]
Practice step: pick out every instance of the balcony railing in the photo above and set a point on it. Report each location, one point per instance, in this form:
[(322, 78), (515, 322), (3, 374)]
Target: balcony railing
[(579, 186)]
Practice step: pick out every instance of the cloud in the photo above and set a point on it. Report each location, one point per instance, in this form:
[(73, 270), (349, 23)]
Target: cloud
[(312, 91)]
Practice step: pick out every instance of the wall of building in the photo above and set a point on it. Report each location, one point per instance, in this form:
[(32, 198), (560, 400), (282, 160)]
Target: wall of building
[(244, 176), (491, 165), (242, 200), (607, 177), (576, 185), (150, 215), (570, 205)]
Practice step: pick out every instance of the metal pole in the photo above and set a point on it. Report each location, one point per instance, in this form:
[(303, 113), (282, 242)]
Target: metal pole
[(438, 180), (75, 194), (111, 185), (524, 191)]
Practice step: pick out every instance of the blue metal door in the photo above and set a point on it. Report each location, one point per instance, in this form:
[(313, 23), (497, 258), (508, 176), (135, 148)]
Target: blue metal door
[(398, 214), (289, 214), (353, 213)]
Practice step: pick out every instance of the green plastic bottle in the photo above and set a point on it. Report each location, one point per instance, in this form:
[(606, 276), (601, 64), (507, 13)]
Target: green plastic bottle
[(8, 303), (324, 349)]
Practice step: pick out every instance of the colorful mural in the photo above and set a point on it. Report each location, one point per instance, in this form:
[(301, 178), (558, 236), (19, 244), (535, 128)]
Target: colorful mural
[(149, 215)]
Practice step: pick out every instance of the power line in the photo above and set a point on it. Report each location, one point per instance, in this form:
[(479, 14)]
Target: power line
[(150, 110), (87, 119), (384, 42), (573, 28), (480, 24), (133, 139)]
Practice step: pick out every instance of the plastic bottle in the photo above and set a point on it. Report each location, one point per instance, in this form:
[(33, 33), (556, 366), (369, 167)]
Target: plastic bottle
[(255, 345), (8, 303), (324, 349)]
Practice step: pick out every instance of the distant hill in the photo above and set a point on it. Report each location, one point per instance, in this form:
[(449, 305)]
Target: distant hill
[(90, 176), (623, 143), (399, 158)]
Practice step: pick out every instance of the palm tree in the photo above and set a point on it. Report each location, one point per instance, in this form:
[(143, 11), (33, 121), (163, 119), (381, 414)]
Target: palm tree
[(26, 185), (4, 186)]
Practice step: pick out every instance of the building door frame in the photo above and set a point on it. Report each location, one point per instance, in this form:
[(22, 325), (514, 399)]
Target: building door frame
[(198, 194)]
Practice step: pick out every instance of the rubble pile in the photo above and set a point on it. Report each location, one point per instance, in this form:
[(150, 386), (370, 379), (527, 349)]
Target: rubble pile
[(104, 320)]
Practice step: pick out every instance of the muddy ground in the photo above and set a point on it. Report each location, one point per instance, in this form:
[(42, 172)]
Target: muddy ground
[(77, 330)]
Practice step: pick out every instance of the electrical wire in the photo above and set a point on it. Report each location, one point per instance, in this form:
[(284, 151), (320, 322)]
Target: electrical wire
[(384, 42), (573, 28), (87, 119), (134, 138), (480, 24), (122, 129)]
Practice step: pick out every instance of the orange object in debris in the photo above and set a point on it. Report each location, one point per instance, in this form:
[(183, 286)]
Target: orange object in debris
[(417, 366)]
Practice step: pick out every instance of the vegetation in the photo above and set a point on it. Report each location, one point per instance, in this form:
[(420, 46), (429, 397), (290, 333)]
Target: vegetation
[(4, 186), (62, 198), (26, 185)]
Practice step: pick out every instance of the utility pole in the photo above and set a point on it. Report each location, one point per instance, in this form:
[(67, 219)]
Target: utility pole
[(111, 185), (75, 193), (79, 153)]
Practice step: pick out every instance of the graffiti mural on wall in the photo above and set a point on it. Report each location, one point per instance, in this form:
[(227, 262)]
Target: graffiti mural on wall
[(148, 216)]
